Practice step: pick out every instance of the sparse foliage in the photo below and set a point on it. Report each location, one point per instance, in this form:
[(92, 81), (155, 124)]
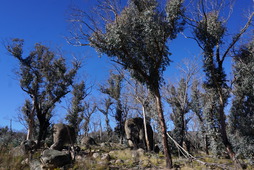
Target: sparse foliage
[(209, 30), (136, 38), (75, 112), (241, 118), (45, 78)]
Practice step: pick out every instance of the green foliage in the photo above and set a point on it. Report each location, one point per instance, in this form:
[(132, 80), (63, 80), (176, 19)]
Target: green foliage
[(241, 119), (45, 78), (9, 138), (113, 89), (180, 104), (75, 112), (137, 39), (210, 30)]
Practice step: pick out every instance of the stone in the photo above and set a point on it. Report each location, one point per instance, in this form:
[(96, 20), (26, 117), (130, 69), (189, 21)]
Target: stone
[(105, 156), (25, 162), (35, 165), (119, 161), (87, 141), (135, 133), (63, 134), (96, 155), (141, 152), (53, 158)]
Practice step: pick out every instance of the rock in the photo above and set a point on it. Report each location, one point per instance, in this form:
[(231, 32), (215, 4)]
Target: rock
[(88, 141), (35, 165), (25, 162), (112, 153), (135, 133), (156, 148), (53, 158), (96, 155), (63, 134), (105, 156), (119, 161), (134, 154), (141, 152)]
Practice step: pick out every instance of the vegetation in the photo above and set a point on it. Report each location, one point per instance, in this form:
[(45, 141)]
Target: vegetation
[(212, 117)]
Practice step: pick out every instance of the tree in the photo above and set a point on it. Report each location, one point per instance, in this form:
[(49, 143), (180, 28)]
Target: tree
[(45, 78), (107, 103), (141, 96), (196, 105), (209, 30), (241, 118), (88, 111), (75, 112), (137, 39), (29, 118), (180, 104), (178, 97), (113, 90)]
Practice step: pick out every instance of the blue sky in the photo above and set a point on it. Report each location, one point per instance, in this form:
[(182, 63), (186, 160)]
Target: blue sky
[(46, 22)]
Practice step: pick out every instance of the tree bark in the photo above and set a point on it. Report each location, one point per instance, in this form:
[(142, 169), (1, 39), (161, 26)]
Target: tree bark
[(163, 129), (225, 140), (145, 129)]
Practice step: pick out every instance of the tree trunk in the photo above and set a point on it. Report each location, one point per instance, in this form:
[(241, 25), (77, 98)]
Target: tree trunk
[(206, 144), (30, 131), (43, 128), (145, 128), (163, 129), (225, 140)]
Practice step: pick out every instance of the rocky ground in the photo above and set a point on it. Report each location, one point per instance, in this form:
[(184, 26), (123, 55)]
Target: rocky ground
[(99, 157)]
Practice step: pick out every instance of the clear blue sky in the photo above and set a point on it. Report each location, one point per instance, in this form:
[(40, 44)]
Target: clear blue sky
[(46, 22)]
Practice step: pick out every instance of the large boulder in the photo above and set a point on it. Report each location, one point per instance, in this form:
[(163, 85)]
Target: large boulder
[(62, 134), (135, 133), (53, 158), (87, 141)]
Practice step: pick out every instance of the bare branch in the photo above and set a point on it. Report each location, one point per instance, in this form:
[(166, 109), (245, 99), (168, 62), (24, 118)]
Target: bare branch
[(238, 36)]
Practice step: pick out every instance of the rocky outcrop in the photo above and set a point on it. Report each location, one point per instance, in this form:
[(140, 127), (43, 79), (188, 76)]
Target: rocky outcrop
[(62, 134), (53, 158), (87, 141), (135, 133)]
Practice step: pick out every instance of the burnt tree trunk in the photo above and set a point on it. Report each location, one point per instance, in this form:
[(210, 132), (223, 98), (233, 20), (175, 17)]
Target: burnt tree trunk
[(163, 129)]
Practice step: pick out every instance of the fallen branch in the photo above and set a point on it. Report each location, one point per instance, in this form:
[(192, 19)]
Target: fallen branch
[(191, 157)]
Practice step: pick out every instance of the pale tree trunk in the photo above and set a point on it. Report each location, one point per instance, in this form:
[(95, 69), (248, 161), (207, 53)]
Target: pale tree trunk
[(30, 131), (145, 128), (163, 129)]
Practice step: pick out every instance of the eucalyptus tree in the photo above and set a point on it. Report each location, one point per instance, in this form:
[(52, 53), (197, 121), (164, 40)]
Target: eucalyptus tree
[(89, 109), (210, 33), (241, 118), (75, 112), (178, 99), (196, 105), (46, 79), (136, 37), (143, 103), (114, 90), (107, 104)]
